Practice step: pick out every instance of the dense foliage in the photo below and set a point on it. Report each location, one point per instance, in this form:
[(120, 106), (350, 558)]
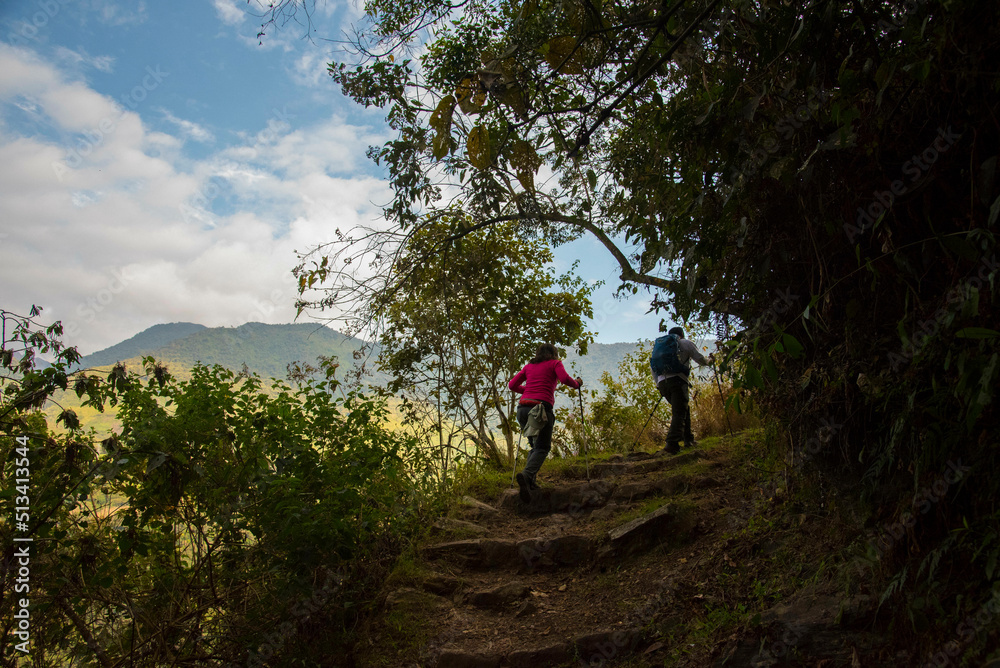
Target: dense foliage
[(820, 177), (221, 524)]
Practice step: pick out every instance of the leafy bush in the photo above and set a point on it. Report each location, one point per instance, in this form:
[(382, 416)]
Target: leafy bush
[(222, 524)]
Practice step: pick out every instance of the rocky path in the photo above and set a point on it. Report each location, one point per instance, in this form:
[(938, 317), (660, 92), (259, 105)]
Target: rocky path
[(578, 576)]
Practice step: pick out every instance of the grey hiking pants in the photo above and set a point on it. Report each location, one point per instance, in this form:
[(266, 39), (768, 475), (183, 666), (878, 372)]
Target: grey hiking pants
[(540, 444), (675, 391)]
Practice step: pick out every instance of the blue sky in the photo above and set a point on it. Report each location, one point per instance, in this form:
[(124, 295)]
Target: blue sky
[(157, 164)]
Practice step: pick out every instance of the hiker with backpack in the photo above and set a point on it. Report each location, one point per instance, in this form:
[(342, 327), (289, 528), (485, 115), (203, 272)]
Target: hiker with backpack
[(671, 364), (536, 383)]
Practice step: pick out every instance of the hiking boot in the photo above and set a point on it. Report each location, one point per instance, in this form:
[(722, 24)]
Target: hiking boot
[(524, 490), (691, 444), (533, 486), (671, 448)]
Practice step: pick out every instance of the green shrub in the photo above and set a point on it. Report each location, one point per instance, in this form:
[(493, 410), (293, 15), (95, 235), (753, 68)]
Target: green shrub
[(251, 525)]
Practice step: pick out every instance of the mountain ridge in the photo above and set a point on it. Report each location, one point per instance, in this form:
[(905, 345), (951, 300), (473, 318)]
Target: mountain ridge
[(264, 348), (268, 349), (143, 343)]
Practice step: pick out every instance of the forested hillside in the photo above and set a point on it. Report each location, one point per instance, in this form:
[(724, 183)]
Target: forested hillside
[(145, 342), (265, 349)]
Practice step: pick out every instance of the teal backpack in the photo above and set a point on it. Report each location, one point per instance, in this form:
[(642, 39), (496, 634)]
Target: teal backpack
[(664, 359)]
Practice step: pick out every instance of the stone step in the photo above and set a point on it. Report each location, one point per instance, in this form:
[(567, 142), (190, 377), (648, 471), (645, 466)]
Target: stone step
[(499, 598), (524, 555), (637, 491), (593, 649), (572, 499), (448, 525), (632, 465), (477, 553), (665, 524), (441, 585), (581, 499), (474, 509)]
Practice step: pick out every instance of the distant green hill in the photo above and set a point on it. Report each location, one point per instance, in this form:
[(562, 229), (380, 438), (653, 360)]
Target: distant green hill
[(268, 349), (265, 349), (600, 357), (143, 343)]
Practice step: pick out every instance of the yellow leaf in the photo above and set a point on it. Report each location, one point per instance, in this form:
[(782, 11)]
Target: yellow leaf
[(562, 55), (478, 147), (568, 55), (441, 123), (513, 97), (471, 96), (525, 162), (441, 118)]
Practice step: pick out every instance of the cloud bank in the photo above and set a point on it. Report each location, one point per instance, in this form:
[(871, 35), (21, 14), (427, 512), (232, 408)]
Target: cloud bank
[(112, 226)]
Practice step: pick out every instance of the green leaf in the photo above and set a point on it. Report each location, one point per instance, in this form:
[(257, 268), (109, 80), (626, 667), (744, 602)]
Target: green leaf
[(977, 333), (440, 146), (770, 369), (994, 211), (753, 378), (155, 462), (920, 71), (792, 345)]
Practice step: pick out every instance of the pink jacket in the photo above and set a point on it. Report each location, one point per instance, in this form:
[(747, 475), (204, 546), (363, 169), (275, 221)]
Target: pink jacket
[(537, 382)]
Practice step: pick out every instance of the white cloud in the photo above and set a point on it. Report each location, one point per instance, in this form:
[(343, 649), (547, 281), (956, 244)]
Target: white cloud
[(81, 59), (82, 198), (189, 129), (92, 222), (228, 12), (310, 70), (126, 13)]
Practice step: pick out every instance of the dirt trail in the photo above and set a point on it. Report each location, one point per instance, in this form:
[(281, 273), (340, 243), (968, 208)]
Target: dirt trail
[(618, 570)]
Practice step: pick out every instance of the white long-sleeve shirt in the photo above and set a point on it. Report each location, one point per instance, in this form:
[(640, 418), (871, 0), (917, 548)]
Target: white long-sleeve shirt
[(686, 351)]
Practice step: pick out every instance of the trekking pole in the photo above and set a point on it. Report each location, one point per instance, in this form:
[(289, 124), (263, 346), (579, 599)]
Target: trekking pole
[(721, 398), (586, 442), (632, 449)]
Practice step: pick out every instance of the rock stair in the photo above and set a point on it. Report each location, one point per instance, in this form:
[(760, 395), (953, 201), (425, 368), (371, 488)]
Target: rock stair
[(631, 464), (631, 567), (615, 480), (514, 601)]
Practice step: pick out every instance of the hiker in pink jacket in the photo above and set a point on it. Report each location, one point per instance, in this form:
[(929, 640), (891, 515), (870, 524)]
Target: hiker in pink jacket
[(536, 383)]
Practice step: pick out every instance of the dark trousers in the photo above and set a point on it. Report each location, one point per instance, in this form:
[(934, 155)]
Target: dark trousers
[(540, 444), (675, 391)]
